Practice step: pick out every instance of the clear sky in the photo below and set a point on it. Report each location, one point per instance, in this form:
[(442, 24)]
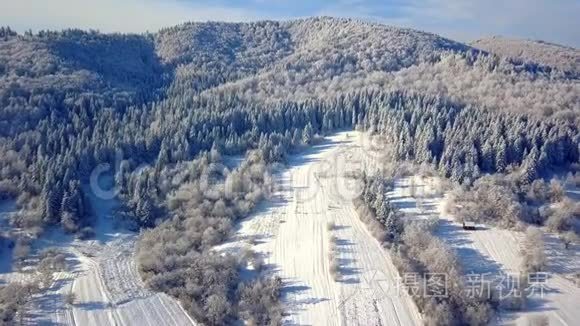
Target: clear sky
[(465, 20)]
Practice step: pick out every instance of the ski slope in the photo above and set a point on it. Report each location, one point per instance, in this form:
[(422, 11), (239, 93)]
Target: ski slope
[(291, 232), (103, 276), (497, 252)]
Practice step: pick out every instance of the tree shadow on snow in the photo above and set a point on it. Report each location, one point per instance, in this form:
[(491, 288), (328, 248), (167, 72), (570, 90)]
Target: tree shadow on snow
[(93, 305), (344, 242), (291, 290), (471, 260), (341, 227), (349, 271), (560, 259), (305, 156)]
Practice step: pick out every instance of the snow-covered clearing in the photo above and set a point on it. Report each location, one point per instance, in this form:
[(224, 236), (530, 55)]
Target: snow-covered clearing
[(291, 232), (103, 276), (496, 252)]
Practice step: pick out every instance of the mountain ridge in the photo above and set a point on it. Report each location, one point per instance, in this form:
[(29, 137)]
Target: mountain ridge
[(563, 57), (272, 60)]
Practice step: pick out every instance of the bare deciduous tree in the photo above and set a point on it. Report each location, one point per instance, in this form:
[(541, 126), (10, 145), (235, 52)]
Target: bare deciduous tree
[(534, 256), (569, 238)]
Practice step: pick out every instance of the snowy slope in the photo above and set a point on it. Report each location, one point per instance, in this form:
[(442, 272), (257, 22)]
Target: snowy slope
[(496, 252), (291, 232), (103, 276)]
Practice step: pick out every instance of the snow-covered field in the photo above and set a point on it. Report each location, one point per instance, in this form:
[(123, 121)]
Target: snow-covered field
[(496, 252), (108, 291), (291, 232), (103, 276)]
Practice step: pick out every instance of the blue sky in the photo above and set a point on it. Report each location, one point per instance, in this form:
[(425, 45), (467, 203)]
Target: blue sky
[(550, 20)]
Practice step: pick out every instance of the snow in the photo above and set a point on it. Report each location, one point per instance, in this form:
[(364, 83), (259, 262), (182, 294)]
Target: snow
[(496, 252), (290, 231), (103, 276)]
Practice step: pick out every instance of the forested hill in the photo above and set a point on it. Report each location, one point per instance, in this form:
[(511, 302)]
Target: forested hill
[(123, 69), (70, 99), (325, 57), (320, 48), (273, 60), (179, 99), (554, 55)]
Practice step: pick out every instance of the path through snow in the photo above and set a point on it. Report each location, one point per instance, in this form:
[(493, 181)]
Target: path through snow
[(291, 232), (103, 275)]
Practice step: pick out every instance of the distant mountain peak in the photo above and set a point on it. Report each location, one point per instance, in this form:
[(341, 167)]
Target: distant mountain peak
[(550, 54)]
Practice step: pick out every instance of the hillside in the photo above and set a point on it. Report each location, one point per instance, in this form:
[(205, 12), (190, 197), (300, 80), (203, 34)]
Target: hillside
[(295, 53), (162, 114), (269, 60), (549, 54), (325, 57), (39, 73)]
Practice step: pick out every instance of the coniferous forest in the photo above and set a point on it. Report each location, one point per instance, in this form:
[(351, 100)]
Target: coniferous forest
[(184, 100)]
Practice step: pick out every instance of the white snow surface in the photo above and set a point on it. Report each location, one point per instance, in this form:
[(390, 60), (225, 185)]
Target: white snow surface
[(103, 275), (290, 231), (496, 252)]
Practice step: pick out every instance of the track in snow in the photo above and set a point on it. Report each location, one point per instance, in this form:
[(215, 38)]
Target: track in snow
[(291, 232), (103, 275)]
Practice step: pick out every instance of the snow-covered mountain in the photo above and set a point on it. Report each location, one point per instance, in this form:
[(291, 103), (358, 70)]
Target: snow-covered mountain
[(174, 105), (549, 54), (299, 59)]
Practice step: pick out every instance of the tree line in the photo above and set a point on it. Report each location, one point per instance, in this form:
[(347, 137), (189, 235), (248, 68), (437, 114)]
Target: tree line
[(178, 107)]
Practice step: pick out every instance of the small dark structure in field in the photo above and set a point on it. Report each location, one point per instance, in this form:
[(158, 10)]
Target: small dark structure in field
[(468, 225)]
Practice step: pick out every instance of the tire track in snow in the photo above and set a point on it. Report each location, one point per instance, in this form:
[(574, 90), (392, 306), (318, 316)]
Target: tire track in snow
[(108, 289)]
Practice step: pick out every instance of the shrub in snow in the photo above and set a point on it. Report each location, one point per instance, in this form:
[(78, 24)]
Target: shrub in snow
[(576, 277), (534, 256), (561, 216), (334, 269), (13, 300), (569, 238), (330, 226), (259, 302), (333, 252), (70, 298)]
